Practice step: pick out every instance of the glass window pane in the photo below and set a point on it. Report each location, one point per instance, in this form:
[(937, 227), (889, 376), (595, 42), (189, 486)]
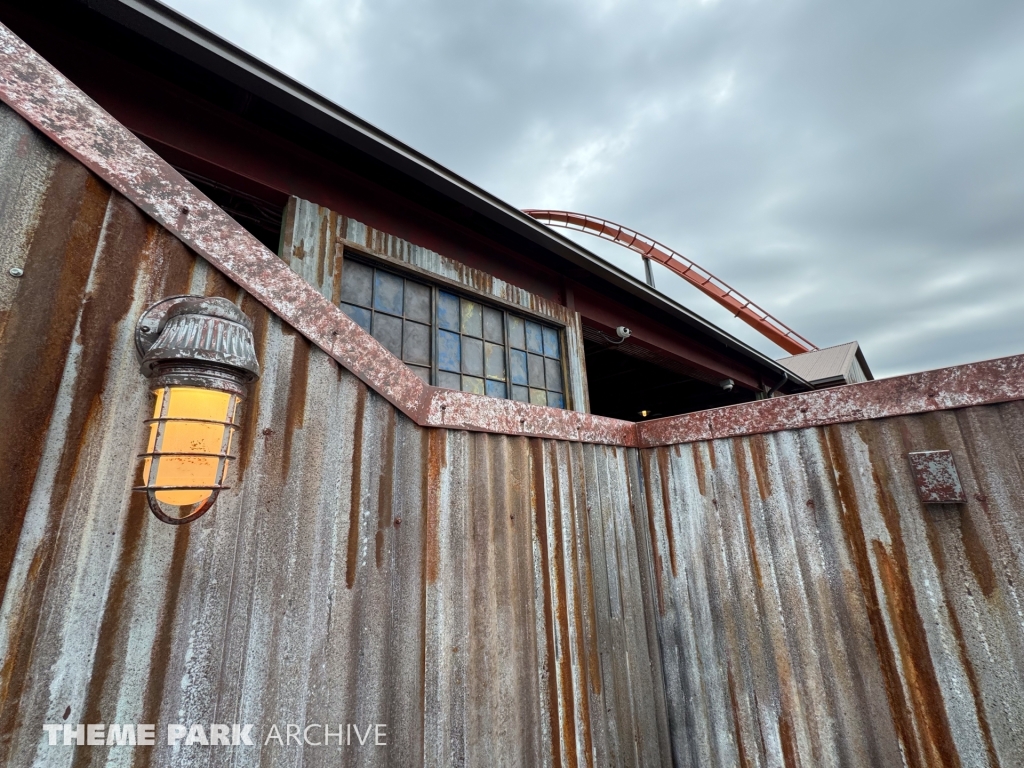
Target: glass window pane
[(534, 338), (495, 388), (360, 315), (449, 380), (472, 356), (551, 342), (518, 362), (516, 332), (555, 400), (538, 397), (417, 302), (494, 361), (522, 394), (388, 292), (388, 331), (494, 325), (448, 311), (473, 384), (417, 343), (553, 374), (423, 373), (448, 352), (356, 283), (472, 319), (535, 368)]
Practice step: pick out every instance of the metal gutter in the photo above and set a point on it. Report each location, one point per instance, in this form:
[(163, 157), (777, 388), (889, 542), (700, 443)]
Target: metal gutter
[(186, 38)]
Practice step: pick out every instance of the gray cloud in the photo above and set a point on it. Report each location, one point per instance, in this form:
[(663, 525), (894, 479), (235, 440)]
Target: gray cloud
[(857, 169)]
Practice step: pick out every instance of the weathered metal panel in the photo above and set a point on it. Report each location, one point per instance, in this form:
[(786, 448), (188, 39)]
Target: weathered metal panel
[(314, 240), (477, 593), (813, 611)]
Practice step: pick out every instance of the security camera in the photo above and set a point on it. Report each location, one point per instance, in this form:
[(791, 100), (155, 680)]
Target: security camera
[(623, 332), (727, 384)]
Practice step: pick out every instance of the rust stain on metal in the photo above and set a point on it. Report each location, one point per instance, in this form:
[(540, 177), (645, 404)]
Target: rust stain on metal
[(939, 748), (564, 665), (652, 533), (295, 410), (251, 406), (853, 529), (36, 343), (936, 546), (760, 465), (736, 726), (578, 615), (437, 460), (699, 470), (666, 500), (539, 504), (385, 493), (786, 737), (109, 643), (977, 555), (355, 507), (743, 480)]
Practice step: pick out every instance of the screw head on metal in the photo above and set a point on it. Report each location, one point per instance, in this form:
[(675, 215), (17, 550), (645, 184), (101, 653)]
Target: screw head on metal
[(16, 271)]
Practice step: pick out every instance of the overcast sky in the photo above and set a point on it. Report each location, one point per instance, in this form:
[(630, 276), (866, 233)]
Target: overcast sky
[(856, 168)]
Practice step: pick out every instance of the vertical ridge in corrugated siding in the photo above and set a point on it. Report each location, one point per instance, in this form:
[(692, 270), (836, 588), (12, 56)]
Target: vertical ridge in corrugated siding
[(363, 569)]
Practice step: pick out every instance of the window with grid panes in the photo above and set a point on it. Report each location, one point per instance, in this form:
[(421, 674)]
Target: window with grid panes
[(453, 341)]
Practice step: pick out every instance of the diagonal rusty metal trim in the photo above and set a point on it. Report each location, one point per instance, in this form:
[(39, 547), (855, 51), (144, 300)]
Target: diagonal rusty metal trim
[(64, 113)]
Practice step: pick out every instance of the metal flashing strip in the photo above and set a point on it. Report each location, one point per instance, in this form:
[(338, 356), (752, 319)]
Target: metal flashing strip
[(56, 107)]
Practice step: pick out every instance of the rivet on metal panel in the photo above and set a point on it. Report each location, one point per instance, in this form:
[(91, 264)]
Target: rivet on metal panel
[(936, 477)]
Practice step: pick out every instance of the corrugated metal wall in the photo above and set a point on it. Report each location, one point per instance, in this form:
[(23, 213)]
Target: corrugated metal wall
[(779, 599), (482, 595), (814, 612)]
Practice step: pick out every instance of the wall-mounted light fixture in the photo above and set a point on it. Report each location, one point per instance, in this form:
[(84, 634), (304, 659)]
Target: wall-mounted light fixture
[(199, 354)]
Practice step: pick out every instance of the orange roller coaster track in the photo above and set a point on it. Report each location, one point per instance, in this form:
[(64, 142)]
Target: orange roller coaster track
[(746, 310)]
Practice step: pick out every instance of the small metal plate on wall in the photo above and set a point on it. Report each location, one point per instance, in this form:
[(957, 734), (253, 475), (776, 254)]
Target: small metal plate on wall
[(936, 477)]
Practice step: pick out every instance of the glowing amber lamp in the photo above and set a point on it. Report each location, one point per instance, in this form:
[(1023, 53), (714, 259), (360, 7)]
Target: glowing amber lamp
[(199, 352), (189, 444)]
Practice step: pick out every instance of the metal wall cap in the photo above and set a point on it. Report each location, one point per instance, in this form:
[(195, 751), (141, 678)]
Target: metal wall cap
[(200, 329)]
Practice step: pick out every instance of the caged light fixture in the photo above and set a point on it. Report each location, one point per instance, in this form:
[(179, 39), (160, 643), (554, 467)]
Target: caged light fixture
[(199, 354)]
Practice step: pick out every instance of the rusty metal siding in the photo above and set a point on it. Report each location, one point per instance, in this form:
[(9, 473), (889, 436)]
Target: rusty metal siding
[(755, 599), (813, 611), (314, 239), (478, 593)]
